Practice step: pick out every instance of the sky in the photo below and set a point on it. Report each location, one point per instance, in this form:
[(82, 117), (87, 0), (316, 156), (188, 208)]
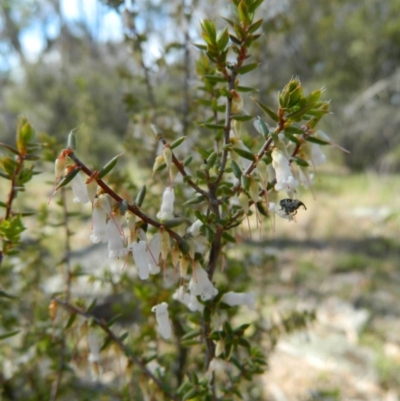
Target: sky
[(104, 23)]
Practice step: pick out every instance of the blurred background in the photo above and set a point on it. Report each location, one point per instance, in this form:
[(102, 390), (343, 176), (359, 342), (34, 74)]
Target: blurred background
[(109, 68)]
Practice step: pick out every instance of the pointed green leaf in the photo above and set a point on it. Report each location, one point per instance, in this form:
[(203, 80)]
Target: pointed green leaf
[(140, 196), (109, 166), (299, 161), (237, 171), (244, 153), (242, 117), (267, 110), (177, 142), (172, 223), (9, 334), (247, 68), (223, 39), (10, 148), (68, 178)]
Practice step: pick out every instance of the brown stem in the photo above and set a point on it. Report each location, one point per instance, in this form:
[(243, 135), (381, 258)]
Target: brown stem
[(127, 351), (134, 209), (67, 291)]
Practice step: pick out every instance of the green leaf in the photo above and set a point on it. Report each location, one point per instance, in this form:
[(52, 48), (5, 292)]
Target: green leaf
[(253, 27), (213, 126), (214, 78), (191, 334), (12, 228), (317, 140), (212, 159), (10, 148), (24, 176), (25, 134), (9, 165), (140, 196), (243, 13), (172, 223), (177, 142), (4, 294), (9, 334), (223, 39), (68, 178), (2, 204), (237, 171), (247, 68), (71, 320), (263, 128), (228, 237), (201, 46), (187, 160), (246, 89), (194, 200), (244, 153), (299, 161), (267, 110), (109, 166), (71, 141), (184, 246), (242, 117)]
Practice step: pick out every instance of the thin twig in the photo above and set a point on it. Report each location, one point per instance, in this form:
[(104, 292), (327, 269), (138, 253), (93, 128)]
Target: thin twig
[(67, 291), (127, 351), (134, 209)]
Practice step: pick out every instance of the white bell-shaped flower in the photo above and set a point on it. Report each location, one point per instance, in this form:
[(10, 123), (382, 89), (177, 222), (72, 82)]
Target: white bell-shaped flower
[(194, 229), (280, 212), (317, 155), (167, 206), (79, 189), (240, 298), (284, 177), (99, 225), (116, 246), (201, 285), (164, 326), (94, 347), (153, 251), (141, 259), (187, 299)]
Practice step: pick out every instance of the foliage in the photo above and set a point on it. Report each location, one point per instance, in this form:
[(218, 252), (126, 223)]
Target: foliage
[(229, 167)]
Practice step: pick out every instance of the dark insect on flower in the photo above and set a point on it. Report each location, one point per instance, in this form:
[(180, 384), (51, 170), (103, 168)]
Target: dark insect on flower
[(290, 206)]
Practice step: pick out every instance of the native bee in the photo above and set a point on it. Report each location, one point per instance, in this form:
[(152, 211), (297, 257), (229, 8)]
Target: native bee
[(290, 206)]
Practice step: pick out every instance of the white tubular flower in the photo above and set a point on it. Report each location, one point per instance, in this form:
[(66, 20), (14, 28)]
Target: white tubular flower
[(317, 155), (188, 300), (141, 258), (99, 229), (79, 189), (91, 190), (284, 177), (194, 229), (201, 285), (116, 246), (240, 298), (94, 347), (153, 251), (167, 206), (164, 326), (280, 212)]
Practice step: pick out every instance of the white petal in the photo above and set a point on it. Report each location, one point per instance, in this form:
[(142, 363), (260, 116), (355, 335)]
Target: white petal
[(240, 298), (164, 326), (79, 189), (116, 246), (140, 258), (167, 206), (194, 229), (201, 285), (153, 254), (99, 229)]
